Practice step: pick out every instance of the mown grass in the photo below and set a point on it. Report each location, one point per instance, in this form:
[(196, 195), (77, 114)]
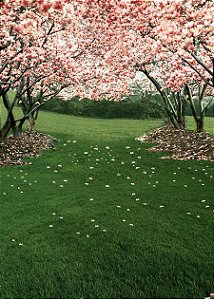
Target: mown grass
[(99, 216)]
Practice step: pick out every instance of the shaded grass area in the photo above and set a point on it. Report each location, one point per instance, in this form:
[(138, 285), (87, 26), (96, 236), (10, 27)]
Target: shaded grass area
[(100, 216)]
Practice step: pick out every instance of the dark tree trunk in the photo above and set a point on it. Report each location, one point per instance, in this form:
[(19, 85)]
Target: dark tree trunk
[(10, 123), (200, 124)]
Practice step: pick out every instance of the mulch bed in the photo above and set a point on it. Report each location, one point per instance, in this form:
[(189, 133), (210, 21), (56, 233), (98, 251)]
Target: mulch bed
[(27, 144), (183, 144)]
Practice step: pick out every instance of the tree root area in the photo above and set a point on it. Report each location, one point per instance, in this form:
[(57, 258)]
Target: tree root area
[(26, 144), (182, 144)]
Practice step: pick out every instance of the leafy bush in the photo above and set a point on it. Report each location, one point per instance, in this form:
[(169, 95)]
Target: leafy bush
[(135, 107)]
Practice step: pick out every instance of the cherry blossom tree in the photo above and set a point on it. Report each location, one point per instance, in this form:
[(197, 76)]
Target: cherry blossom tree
[(171, 42), (46, 46)]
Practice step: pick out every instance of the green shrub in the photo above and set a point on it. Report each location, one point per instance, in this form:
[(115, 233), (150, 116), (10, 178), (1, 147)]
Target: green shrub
[(134, 107)]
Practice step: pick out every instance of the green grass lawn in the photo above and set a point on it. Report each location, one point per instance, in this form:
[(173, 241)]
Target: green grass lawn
[(99, 216)]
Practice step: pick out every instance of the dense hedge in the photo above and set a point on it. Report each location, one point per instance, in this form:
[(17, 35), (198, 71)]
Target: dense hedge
[(134, 107)]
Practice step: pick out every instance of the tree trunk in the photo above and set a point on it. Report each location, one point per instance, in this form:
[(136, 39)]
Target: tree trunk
[(200, 124)]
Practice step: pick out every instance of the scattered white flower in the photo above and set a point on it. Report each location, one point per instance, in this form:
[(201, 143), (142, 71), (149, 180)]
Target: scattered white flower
[(91, 199), (207, 206), (20, 244), (78, 233), (137, 199), (107, 186), (13, 240), (96, 225), (198, 216), (54, 213), (162, 206), (118, 206), (61, 186), (60, 217), (131, 224), (65, 181), (50, 225), (86, 184)]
